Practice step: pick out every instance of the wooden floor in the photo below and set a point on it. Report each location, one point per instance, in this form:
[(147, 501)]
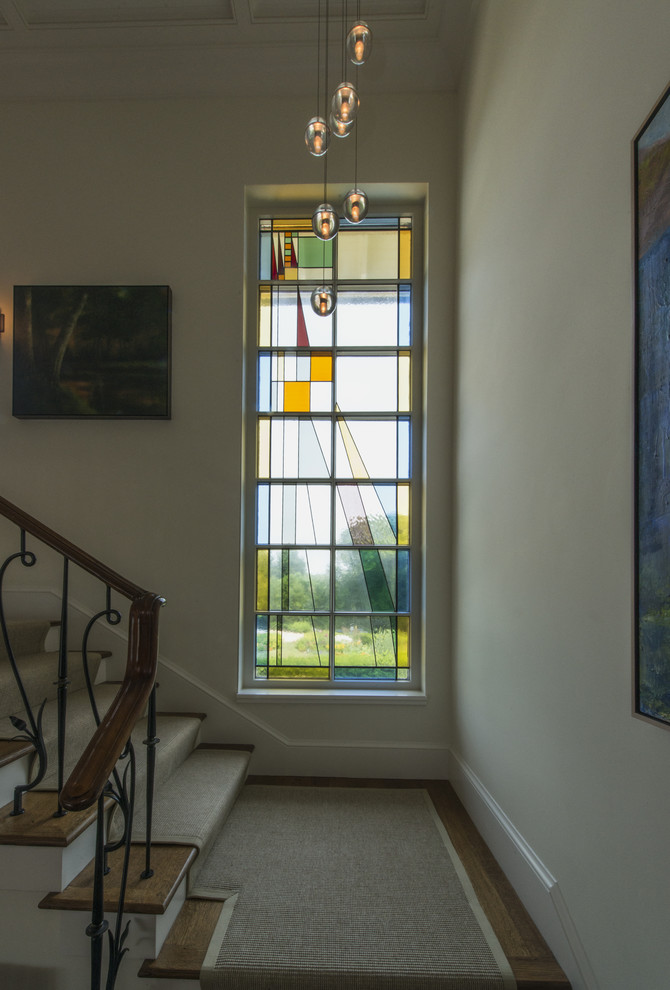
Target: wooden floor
[(532, 963)]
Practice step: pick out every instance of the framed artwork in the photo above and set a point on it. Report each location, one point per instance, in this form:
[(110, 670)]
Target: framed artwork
[(651, 166), (92, 351)]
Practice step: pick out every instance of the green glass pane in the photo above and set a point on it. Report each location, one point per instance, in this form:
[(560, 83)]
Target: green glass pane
[(262, 579), (378, 568), (313, 253)]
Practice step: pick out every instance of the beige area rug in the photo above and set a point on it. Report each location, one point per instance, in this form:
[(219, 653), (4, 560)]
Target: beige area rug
[(344, 889)]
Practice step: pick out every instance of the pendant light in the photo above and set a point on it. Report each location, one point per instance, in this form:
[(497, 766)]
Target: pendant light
[(317, 132), (359, 42), (356, 203)]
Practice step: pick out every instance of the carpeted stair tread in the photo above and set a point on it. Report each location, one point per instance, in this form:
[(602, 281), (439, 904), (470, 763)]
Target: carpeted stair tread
[(25, 636), (178, 735), (38, 672), (193, 804)]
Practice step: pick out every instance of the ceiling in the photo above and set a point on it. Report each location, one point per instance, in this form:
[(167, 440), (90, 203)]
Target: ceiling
[(124, 49)]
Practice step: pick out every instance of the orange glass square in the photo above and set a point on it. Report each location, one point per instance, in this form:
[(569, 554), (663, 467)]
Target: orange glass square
[(321, 369), (296, 396)]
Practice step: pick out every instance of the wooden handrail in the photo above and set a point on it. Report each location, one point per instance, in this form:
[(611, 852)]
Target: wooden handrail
[(88, 779), (69, 550)]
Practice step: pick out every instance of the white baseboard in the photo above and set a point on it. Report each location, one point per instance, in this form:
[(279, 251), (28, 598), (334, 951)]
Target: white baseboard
[(533, 882)]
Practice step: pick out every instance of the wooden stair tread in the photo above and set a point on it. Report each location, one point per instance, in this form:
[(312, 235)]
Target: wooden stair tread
[(37, 825), (14, 749), (184, 950), (170, 864)]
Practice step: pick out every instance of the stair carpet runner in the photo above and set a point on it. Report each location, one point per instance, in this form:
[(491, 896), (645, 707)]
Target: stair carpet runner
[(195, 785)]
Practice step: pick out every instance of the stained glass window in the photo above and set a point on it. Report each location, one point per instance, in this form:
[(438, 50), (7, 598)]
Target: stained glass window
[(334, 568)]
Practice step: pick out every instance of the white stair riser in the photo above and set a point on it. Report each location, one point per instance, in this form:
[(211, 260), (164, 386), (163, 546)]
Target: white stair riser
[(11, 776), (46, 868), (146, 934)]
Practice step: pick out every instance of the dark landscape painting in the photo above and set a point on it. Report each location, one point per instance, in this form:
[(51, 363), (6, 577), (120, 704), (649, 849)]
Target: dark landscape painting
[(652, 230), (85, 351)]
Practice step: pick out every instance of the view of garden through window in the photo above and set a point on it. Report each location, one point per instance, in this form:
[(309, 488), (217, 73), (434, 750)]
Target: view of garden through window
[(333, 458)]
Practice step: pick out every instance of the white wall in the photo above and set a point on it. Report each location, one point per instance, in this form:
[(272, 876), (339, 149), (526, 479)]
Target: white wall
[(542, 676), (153, 192)]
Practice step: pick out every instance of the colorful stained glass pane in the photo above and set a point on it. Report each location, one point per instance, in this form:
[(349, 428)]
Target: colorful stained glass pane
[(289, 648), (286, 318), (293, 514), (294, 448), (366, 648), (366, 514), (367, 384), (298, 579), (372, 448), (404, 315), (369, 317), (371, 580), (296, 397), (405, 254), (367, 254), (332, 557)]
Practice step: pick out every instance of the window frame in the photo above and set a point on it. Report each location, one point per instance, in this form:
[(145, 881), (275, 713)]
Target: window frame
[(274, 204)]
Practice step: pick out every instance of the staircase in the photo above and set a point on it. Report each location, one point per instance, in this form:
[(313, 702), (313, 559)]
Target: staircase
[(60, 928)]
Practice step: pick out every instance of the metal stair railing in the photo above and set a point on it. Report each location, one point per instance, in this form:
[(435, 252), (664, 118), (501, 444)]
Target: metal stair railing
[(96, 778)]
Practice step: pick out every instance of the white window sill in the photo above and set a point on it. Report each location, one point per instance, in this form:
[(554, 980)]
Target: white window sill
[(331, 695)]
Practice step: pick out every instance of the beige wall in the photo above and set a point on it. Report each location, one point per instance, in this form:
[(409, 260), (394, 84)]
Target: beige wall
[(542, 674), (153, 192)]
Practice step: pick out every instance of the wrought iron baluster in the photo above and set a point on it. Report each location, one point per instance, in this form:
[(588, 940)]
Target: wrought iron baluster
[(62, 684), (98, 925), (113, 617), (150, 742), (127, 803), (32, 729)]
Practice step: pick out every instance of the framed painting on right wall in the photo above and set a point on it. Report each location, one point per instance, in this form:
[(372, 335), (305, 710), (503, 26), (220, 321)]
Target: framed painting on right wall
[(651, 167)]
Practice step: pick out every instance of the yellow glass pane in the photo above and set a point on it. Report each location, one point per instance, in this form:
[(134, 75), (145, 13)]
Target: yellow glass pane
[(305, 223), (262, 584), (291, 274), (298, 673), (321, 368), (263, 441), (264, 316), (403, 640), (403, 515), (405, 254), (403, 382), (296, 397)]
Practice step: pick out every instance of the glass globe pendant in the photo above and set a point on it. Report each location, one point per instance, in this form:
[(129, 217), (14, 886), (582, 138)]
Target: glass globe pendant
[(345, 102), (325, 222), (359, 43), (340, 128), (317, 136), (323, 300), (355, 205)]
